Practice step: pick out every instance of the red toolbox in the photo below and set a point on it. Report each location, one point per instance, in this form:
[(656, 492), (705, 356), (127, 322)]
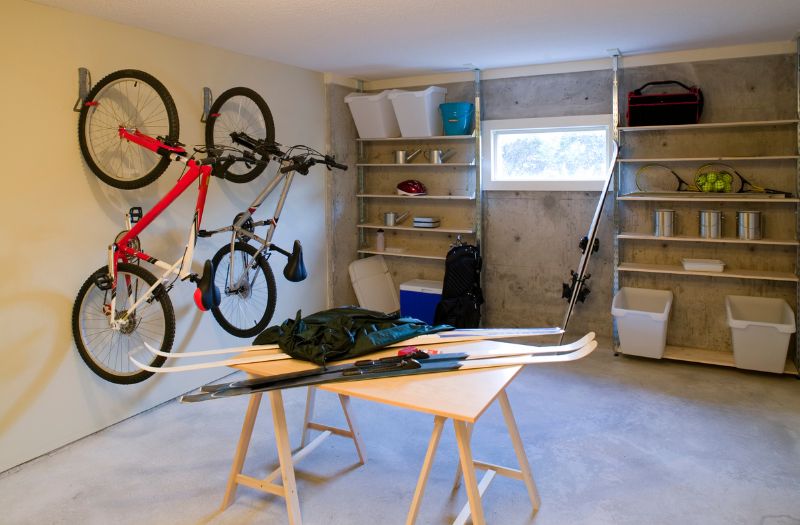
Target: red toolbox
[(652, 109)]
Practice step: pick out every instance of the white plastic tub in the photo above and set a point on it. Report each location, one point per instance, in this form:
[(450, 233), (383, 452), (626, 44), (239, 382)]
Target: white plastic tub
[(418, 111), (642, 315), (760, 328), (373, 114)]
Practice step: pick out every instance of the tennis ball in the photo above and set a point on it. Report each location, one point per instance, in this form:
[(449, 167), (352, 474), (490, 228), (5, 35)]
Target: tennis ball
[(712, 176), (719, 186), (727, 177)]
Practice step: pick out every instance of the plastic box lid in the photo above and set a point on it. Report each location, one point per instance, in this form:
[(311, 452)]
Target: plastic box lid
[(422, 286)]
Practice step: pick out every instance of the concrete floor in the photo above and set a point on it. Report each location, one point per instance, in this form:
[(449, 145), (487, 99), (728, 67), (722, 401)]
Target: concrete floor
[(612, 440)]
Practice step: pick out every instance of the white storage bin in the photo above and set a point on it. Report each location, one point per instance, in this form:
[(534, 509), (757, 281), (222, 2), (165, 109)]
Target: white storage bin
[(418, 111), (642, 316), (760, 329), (373, 114)]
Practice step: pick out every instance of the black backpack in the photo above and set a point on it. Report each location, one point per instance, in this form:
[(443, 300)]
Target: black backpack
[(462, 297)]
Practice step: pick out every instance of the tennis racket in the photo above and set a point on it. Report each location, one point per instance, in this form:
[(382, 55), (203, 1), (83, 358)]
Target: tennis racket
[(722, 178), (659, 178)]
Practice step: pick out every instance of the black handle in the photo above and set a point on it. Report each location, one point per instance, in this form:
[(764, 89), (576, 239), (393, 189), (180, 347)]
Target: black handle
[(331, 163), (661, 83)]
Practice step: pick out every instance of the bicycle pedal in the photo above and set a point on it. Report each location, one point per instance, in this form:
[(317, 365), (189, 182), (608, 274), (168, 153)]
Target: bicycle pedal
[(135, 213), (103, 281)]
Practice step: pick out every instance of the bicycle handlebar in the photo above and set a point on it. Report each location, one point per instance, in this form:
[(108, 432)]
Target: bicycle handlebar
[(302, 163)]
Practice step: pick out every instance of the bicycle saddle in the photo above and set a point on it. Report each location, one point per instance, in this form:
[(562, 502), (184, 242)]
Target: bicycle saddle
[(207, 295), (295, 270)]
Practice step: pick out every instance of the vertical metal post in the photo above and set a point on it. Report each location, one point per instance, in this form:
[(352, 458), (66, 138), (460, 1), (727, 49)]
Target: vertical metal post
[(797, 206), (360, 181), (617, 138), (478, 162)]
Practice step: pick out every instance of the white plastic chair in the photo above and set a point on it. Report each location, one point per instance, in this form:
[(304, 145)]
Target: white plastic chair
[(374, 287)]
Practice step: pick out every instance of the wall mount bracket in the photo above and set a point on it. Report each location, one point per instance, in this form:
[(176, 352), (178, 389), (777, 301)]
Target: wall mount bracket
[(84, 86), (207, 101)]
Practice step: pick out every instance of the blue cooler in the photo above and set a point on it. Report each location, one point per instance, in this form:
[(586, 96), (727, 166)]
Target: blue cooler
[(418, 298), (456, 117)]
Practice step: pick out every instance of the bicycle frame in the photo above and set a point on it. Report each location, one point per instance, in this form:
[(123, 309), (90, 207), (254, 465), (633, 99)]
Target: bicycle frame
[(120, 251), (239, 231)]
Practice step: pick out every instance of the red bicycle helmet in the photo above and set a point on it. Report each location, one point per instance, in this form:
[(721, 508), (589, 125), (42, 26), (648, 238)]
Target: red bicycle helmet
[(411, 187)]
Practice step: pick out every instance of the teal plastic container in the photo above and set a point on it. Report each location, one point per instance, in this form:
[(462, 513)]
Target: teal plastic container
[(457, 117)]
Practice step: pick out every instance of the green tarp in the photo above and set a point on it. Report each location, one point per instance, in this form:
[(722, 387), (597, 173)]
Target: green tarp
[(341, 333)]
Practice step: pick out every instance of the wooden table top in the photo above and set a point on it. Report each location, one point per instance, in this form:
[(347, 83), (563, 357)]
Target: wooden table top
[(462, 395)]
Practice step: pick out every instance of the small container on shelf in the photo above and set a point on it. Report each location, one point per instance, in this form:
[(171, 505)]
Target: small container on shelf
[(457, 117), (380, 241), (711, 224), (664, 222), (703, 265), (749, 225)]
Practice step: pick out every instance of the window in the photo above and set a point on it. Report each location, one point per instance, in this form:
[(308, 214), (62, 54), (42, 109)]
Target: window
[(558, 153)]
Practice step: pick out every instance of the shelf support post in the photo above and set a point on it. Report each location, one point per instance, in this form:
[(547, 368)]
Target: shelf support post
[(478, 162), (615, 55), (360, 181), (797, 206)]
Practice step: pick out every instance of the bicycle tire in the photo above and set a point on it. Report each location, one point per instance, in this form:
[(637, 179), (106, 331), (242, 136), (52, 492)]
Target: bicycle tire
[(243, 312), (96, 340), (133, 99), (239, 109)]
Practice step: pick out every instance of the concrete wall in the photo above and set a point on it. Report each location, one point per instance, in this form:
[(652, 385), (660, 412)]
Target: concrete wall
[(57, 218), (531, 237)]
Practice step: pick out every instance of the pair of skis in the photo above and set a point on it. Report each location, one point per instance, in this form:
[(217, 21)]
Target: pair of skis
[(272, 352), (576, 290), (417, 362)]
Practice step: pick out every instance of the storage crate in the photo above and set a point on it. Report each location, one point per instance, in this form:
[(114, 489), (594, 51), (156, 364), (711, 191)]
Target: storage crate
[(457, 117), (760, 328), (373, 114), (419, 298), (642, 315), (417, 112)]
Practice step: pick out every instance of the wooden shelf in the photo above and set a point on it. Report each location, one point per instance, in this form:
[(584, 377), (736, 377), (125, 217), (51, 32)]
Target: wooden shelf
[(403, 254), (688, 196), (762, 275), (417, 197), (440, 138), (712, 125), (650, 237), (711, 357), (440, 229), (420, 165), (711, 159)]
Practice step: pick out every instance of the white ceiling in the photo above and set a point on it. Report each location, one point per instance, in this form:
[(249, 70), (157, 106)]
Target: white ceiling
[(378, 39)]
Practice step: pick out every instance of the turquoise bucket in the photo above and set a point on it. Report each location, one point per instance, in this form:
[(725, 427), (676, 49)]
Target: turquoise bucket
[(456, 117)]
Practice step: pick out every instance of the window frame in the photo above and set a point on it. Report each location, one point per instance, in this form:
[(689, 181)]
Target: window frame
[(490, 127)]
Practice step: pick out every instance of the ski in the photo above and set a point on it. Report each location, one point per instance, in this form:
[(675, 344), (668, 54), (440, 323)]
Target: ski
[(371, 364), (452, 336), (575, 290), (491, 333), (408, 366)]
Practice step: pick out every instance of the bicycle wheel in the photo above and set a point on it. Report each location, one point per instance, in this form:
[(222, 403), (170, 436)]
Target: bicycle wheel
[(134, 100), (248, 301), (242, 110), (105, 349)]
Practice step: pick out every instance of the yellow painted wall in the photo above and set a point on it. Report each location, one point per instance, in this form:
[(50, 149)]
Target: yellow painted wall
[(56, 217)]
